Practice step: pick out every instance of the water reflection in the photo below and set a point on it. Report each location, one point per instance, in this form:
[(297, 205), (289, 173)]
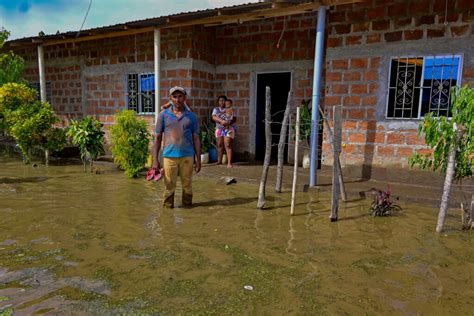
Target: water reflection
[(112, 233)]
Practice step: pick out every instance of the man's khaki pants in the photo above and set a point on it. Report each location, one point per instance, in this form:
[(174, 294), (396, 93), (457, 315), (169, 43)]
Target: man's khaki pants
[(174, 167)]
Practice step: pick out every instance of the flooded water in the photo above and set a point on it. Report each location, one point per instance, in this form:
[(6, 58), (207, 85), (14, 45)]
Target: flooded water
[(81, 243)]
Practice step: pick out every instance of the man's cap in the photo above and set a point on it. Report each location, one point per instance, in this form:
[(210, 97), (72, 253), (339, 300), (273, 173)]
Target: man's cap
[(176, 88)]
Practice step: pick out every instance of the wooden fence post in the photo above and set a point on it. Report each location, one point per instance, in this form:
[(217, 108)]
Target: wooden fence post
[(295, 166), (268, 149), (337, 123), (331, 142), (281, 143)]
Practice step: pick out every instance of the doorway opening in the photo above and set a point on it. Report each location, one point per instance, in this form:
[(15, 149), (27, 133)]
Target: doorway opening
[(280, 84)]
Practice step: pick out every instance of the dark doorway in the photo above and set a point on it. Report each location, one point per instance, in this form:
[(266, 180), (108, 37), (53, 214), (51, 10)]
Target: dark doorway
[(279, 84)]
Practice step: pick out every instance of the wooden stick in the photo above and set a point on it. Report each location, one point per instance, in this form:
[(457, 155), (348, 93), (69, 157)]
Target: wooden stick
[(336, 171), (295, 167), (331, 142), (268, 149), (281, 143)]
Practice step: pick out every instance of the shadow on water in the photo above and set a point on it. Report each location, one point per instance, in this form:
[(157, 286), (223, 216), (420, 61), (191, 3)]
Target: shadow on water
[(82, 243), (231, 201), (23, 180)]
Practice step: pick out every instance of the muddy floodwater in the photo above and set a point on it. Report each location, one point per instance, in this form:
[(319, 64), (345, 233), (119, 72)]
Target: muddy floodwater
[(81, 243)]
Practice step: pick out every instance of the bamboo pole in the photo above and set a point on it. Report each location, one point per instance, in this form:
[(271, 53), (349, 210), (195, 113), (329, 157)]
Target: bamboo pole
[(336, 171), (268, 149), (295, 167), (331, 142), (281, 143)]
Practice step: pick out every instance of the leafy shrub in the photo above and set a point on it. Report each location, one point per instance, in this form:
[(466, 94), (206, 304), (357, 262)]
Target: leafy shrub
[(12, 96), (442, 133), (130, 140), (382, 204), (54, 139), (29, 124), (89, 136), (11, 65)]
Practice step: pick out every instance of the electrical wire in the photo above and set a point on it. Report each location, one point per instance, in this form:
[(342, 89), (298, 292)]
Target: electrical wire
[(85, 18)]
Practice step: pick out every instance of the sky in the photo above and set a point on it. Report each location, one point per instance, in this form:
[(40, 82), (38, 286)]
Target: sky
[(25, 18)]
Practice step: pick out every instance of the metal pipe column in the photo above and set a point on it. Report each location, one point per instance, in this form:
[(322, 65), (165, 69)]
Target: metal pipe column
[(318, 66), (42, 76), (157, 45)]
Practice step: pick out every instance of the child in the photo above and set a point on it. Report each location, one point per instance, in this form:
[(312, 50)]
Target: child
[(229, 115)]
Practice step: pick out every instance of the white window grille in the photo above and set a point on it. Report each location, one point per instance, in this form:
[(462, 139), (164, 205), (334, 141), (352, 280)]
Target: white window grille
[(421, 85), (141, 93)]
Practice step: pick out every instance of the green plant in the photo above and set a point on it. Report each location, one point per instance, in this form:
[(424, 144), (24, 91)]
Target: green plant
[(207, 134), (130, 141), (28, 125), (305, 122), (89, 136), (12, 96), (452, 143), (11, 65), (53, 140), (382, 204), (442, 134)]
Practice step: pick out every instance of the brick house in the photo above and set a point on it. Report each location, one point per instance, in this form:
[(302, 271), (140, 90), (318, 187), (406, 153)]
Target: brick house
[(386, 62)]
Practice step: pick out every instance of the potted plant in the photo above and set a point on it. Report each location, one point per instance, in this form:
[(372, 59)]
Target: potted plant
[(206, 135), (203, 137)]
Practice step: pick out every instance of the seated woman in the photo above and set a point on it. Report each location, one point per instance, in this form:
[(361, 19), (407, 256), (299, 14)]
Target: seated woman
[(225, 117)]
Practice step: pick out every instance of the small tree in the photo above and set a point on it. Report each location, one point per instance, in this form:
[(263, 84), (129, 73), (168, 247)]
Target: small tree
[(11, 65), (29, 124), (53, 140), (452, 141), (89, 136), (130, 140), (12, 97)]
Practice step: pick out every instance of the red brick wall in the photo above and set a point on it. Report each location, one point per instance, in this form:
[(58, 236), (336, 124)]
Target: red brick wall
[(256, 42), (357, 60)]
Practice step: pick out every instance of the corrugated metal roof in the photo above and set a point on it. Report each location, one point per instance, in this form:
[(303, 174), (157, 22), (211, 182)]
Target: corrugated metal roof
[(154, 22)]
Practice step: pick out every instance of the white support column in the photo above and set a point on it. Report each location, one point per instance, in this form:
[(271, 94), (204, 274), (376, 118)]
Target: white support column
[(42, 77), (157, 44)]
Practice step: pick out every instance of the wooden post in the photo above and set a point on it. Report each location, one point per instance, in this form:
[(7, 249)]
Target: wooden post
[(467, 214), (268, 150), (331, 142), (281, 143), (337, 123), (295, 167)]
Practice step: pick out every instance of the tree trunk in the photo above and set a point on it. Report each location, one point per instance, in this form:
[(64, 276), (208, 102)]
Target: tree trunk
[(46, 156), (268, 150), (281, 143), (447, 187)]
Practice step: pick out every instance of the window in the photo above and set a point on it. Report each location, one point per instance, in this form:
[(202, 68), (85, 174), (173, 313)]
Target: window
[(141, 93), (420, 85), (36, 86)]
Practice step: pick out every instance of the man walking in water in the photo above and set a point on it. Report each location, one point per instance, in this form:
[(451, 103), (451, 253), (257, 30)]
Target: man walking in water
[(178, 128)]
